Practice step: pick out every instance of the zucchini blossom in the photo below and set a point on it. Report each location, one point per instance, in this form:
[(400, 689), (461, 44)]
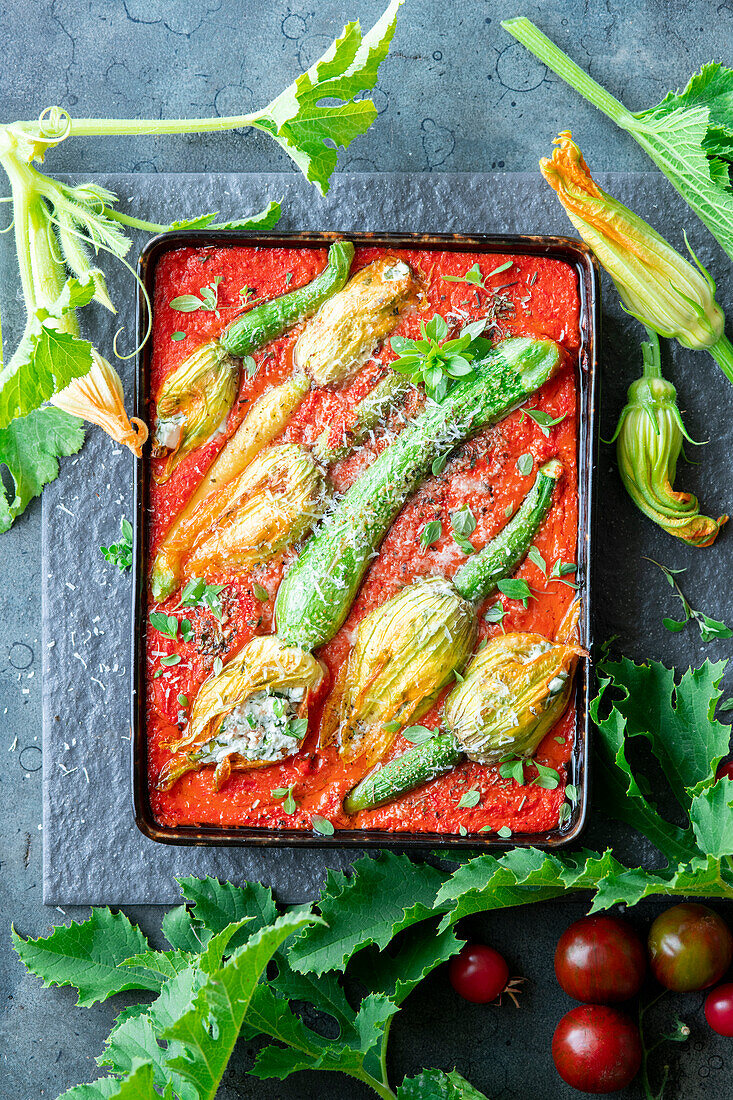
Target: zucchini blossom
[(264, 421), (513, 693), (250, 714), (97, 396), (350, 325), (648, 443), (272, 504), (193, 401), (656, 284), (406, 650)]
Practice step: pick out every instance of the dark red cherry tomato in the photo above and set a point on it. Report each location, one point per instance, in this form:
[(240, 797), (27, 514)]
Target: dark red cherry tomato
[(600, 960), (719, 1009), (725, 771), (690, 947), (478, 973), (596, 1049)]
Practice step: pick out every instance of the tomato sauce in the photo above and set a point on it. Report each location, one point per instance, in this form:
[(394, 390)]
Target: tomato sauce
[(533, 297)]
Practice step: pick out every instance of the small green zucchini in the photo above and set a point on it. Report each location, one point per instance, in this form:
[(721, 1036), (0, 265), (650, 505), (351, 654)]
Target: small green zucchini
[(258, 326), (412, 769), (317, 593)]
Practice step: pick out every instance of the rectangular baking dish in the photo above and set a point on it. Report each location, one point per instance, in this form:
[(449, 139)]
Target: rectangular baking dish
[(572, 252)]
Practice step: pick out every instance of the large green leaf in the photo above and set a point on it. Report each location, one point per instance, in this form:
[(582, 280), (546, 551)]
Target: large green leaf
[(712, 819), (88, 955), (381, 897), (678, 720), (318, 113), (217, 904), (210, 1028), (30, 449), (435, 1084)]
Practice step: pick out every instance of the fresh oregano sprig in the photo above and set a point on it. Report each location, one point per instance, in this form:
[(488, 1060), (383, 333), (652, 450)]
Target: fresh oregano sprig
[(436, 361)]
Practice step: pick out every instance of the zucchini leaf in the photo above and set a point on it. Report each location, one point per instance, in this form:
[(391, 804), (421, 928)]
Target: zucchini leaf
[(209, 1029), (88, 955), (139, 1086), (47, 358), (381, 897), (216, 904), (302, 120), (434, 1084), (30, 449)]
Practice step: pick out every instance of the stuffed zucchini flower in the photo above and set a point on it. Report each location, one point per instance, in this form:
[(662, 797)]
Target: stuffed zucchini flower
[(194, 400), (349, 326), (656, 284), (406, 651), (512, 694), (253, 713), (648, 443), (273, 502)]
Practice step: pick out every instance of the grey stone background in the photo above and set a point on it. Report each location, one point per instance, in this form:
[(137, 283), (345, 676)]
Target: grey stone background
[(456, 94)]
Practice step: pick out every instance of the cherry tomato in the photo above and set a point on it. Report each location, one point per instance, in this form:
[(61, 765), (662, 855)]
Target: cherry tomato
[(725, 771), (600, 960), (719, 1009), (690, 947), (596, 1049), (478, 973)]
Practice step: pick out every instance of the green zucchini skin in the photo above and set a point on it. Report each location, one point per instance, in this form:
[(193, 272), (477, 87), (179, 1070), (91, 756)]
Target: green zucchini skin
[(263, 323), (479, 575), (416, 766), (316, 595), (371, 409)]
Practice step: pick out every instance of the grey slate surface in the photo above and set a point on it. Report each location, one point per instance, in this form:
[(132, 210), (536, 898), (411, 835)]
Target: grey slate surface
[(93, 852), (455, 94)]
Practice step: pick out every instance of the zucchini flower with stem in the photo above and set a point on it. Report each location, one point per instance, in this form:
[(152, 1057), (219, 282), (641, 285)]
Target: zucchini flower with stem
[(407, 649), (192, 403), (657, 285), (268, 507), (513, 692), (253, 713), (98, 397), (649, 438)]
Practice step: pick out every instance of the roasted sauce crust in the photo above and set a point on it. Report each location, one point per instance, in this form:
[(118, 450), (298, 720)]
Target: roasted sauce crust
[(538, 297)]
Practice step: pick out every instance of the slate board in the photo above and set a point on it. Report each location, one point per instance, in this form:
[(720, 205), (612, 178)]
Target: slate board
[(93, 852)]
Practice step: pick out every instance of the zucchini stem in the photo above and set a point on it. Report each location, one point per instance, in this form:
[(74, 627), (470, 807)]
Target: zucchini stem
[(553, 57)]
